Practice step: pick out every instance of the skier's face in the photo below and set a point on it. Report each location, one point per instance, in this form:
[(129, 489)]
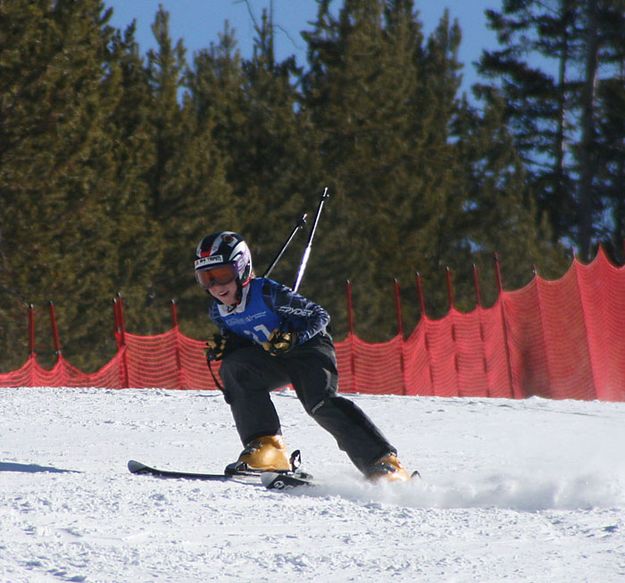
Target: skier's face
[(226, 293)]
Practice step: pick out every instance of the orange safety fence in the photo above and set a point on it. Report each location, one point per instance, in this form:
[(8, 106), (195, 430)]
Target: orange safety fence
[(561, 339), (63, 374)]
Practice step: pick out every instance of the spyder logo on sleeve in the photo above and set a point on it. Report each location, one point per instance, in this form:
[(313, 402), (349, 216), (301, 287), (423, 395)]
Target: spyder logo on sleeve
[(290, 311)]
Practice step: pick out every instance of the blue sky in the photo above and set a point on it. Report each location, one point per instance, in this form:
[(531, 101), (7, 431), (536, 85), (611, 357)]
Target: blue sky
[(199, 22)]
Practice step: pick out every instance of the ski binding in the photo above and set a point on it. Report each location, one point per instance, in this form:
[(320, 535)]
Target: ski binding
[(285, 481)]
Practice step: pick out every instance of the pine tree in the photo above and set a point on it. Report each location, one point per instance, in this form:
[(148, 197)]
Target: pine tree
[(382, 104), (188, 190), (56, 165), (553, 107), (139, 249), (538, 103), (257, 126), (609, 145), (500, 209), (23, 47), (611, 157), (276, 159)]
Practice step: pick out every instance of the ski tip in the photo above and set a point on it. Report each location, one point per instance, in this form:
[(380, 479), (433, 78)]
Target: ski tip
[(135, 467)]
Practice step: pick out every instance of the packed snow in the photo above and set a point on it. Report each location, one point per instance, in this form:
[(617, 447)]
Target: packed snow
[(529, 490)]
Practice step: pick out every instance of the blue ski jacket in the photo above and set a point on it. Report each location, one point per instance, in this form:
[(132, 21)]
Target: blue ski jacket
[(266, 305)]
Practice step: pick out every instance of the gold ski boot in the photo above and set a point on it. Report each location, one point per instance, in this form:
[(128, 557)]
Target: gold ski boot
[(264, 454), (388, 468)]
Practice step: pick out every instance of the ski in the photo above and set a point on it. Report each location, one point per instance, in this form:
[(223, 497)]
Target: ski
[(136, 467), (268, 479)]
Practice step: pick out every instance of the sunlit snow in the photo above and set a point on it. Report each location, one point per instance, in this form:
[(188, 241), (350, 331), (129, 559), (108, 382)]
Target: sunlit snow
[(528, 490)]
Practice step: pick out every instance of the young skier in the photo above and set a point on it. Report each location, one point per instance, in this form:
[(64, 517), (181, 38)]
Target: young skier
[(270, 337)]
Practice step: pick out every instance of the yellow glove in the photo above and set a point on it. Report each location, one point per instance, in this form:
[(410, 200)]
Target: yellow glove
[(215, 348), (280, 342)]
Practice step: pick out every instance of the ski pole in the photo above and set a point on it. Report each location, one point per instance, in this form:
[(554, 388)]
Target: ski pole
[(299, 225), (302, 267)]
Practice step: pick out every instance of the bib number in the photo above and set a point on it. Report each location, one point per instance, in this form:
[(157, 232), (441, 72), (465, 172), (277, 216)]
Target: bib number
[(262, 334)]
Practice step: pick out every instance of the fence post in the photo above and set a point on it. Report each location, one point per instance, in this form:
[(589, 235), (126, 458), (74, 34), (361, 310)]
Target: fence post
[(398, 312), (451, 304), (121, 334), (350, 307), (31, 330), (504, 324), (174, 322), (32, 357), (174, 314), (476, 285), (116, 324), (351, 332), (121, 324), (400, 332), (55, 331), (498, 276), (478, 307), (424, 318), (450, 289), (421, 295)]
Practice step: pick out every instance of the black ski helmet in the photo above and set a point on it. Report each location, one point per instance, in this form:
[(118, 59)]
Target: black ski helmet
[(225, 248)]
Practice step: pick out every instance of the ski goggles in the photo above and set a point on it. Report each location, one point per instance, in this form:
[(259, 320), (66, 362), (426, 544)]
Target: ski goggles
[(222, 275)]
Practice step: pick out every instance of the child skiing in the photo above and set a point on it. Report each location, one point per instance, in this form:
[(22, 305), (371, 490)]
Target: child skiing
[(270, 337)]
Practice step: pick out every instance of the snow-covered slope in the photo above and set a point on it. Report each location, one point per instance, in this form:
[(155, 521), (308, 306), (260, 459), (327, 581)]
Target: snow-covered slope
[(511, 490)]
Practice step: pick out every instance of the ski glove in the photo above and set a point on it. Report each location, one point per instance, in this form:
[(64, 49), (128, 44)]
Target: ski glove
[(280, 342), (215, 348)]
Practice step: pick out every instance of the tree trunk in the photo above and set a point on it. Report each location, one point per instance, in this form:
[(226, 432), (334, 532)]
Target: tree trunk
[(586, 159)]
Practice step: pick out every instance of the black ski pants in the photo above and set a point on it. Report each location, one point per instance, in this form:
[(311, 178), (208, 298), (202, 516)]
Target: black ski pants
[(249, 374)]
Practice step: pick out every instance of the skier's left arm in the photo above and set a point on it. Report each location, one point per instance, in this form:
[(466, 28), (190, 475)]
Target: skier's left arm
[(297, 314)]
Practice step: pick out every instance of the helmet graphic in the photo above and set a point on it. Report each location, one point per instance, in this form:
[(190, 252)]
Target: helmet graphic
[(225, 248)]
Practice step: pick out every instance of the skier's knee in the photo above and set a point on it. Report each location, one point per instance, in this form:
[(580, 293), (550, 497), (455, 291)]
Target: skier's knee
[(329, 405), (316, 407)]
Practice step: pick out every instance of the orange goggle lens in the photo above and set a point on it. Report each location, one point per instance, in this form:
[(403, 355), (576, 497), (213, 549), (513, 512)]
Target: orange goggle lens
[(216, 275)]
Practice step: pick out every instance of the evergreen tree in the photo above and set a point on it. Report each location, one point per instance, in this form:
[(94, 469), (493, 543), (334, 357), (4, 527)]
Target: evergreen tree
[(113, 166), (55, 174), (23, 47), (382, 104), (500, 209), (609, 145), (256, 124), (187, 184), (275, 180), (538, 102), (553, 107), (139, 249), (611, 156)]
